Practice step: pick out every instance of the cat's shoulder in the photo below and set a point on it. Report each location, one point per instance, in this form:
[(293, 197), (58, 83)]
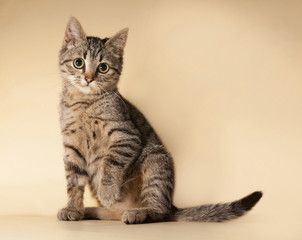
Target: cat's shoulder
[(112, 107)]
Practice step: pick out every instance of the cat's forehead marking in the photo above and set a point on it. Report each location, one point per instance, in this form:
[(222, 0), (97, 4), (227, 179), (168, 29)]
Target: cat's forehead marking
[(94, 47)]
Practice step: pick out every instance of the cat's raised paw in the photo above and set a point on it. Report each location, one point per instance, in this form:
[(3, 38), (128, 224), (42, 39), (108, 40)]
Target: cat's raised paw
[(134, 216), (70, 214), (108, 195)]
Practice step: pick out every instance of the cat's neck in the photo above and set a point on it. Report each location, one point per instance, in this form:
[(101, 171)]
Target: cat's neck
[(72, 95)]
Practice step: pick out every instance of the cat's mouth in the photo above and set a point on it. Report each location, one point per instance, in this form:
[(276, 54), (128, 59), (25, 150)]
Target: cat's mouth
[(86, 84), (85, 87)]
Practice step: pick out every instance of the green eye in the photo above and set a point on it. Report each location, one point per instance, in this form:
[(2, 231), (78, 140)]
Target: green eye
[(103, 68), (78, 63)]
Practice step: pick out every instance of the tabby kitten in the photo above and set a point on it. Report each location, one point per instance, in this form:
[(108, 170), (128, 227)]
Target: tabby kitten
[(110, 146)]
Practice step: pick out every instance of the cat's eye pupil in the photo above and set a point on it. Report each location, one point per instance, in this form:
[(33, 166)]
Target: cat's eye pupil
[(79, 62), (103, 67)]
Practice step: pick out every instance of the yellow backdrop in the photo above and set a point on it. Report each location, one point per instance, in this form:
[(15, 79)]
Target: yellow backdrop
[(219, 80)]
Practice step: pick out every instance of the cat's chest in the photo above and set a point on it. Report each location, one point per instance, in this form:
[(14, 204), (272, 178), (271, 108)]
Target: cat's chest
[(83, 127), (82, 115)]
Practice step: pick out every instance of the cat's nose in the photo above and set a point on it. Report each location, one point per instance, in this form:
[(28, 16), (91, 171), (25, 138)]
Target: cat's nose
[(89, 79)]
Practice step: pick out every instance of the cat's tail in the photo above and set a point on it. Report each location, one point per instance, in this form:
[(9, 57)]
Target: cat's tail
[(217, 212)]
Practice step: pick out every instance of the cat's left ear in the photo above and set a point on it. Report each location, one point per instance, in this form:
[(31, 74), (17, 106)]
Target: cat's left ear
[(74, 33), (118, 41)]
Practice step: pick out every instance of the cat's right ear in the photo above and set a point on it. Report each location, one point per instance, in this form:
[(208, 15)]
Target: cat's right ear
[(74, 33)]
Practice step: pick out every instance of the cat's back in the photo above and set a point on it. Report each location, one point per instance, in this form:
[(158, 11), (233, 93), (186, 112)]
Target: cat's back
[(147, 132)]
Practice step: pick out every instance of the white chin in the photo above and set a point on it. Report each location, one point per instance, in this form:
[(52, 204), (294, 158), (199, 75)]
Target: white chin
[(86, 89)]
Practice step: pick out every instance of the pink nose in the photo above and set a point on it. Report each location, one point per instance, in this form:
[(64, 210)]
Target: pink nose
[(89, 79)]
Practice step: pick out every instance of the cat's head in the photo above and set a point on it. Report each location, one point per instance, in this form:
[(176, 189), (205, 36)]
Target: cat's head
[(89, 64)]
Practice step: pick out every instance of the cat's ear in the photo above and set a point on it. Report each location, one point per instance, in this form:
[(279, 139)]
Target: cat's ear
[(117, 42), (74, 33)]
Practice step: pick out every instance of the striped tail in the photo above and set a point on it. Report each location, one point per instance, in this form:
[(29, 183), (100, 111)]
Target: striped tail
[(217, 212)]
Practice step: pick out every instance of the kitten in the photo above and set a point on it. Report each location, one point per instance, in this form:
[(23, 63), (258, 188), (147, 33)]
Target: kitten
[(110, 146)]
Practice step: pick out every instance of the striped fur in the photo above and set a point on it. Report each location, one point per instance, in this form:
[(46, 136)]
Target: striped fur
[(110, 145)]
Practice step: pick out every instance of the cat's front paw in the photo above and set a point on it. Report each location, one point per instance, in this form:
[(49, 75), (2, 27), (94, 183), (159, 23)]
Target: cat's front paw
[(70, 214), (108, 195), (134, 216)]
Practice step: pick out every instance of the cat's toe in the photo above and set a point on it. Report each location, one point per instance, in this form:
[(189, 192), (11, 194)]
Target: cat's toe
[(134, 216), (70, 214)]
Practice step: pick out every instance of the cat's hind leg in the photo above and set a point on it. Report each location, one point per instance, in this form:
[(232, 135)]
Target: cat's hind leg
[(157, 189)]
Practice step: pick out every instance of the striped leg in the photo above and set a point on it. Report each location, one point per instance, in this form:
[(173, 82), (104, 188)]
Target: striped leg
[(76, 177), (109, 189), (157, 189), (123, 150)]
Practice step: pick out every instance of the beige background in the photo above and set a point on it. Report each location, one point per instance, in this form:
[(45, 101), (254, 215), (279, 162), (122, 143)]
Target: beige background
[(219, 80)]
